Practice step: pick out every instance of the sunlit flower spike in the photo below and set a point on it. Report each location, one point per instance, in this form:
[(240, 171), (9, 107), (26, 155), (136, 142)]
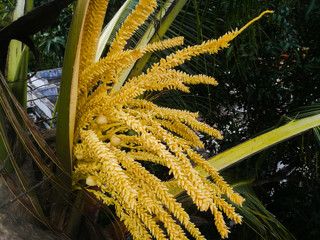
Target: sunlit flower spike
[(115, 131)]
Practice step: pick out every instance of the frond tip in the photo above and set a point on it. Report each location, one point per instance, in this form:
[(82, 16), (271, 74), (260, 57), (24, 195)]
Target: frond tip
[(116, 130)]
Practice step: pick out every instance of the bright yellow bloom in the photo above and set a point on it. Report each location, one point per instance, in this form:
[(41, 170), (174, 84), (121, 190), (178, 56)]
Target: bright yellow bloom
[(114, 130)]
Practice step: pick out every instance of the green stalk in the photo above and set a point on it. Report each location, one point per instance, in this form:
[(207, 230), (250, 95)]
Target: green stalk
[(66, 116), (67, 97), (18, 57), (19, 87), (14, 56)]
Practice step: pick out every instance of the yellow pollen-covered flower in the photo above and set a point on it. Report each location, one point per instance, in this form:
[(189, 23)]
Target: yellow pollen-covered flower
[(115, 131)]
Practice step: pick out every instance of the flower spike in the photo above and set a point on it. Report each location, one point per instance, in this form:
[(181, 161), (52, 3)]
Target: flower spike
[(116, 131)]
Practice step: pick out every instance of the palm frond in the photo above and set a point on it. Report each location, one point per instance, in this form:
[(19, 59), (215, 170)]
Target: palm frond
[(257, 217)]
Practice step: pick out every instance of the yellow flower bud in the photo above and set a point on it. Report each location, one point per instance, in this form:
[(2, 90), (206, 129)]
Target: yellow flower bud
[(115, 141), (101, 119), (91, 181), (79, 156)]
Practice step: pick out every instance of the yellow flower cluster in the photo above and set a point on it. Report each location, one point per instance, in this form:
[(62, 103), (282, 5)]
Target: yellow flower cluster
[(115, 131)]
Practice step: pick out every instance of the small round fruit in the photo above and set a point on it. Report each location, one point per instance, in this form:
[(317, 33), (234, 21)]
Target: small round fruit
[(101, 119), (115, 141)]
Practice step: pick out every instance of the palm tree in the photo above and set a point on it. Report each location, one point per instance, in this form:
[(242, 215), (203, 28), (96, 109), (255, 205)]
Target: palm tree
[(61, 176)]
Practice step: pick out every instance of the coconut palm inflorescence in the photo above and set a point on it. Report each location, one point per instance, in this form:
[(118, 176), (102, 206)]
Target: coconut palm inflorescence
[(117, 130)]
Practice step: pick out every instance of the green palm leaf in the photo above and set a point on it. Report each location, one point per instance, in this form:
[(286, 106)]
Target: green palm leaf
[(257, 217), (242, 151)]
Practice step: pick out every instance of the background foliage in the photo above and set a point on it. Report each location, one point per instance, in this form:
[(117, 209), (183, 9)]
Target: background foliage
[(6, 7)]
